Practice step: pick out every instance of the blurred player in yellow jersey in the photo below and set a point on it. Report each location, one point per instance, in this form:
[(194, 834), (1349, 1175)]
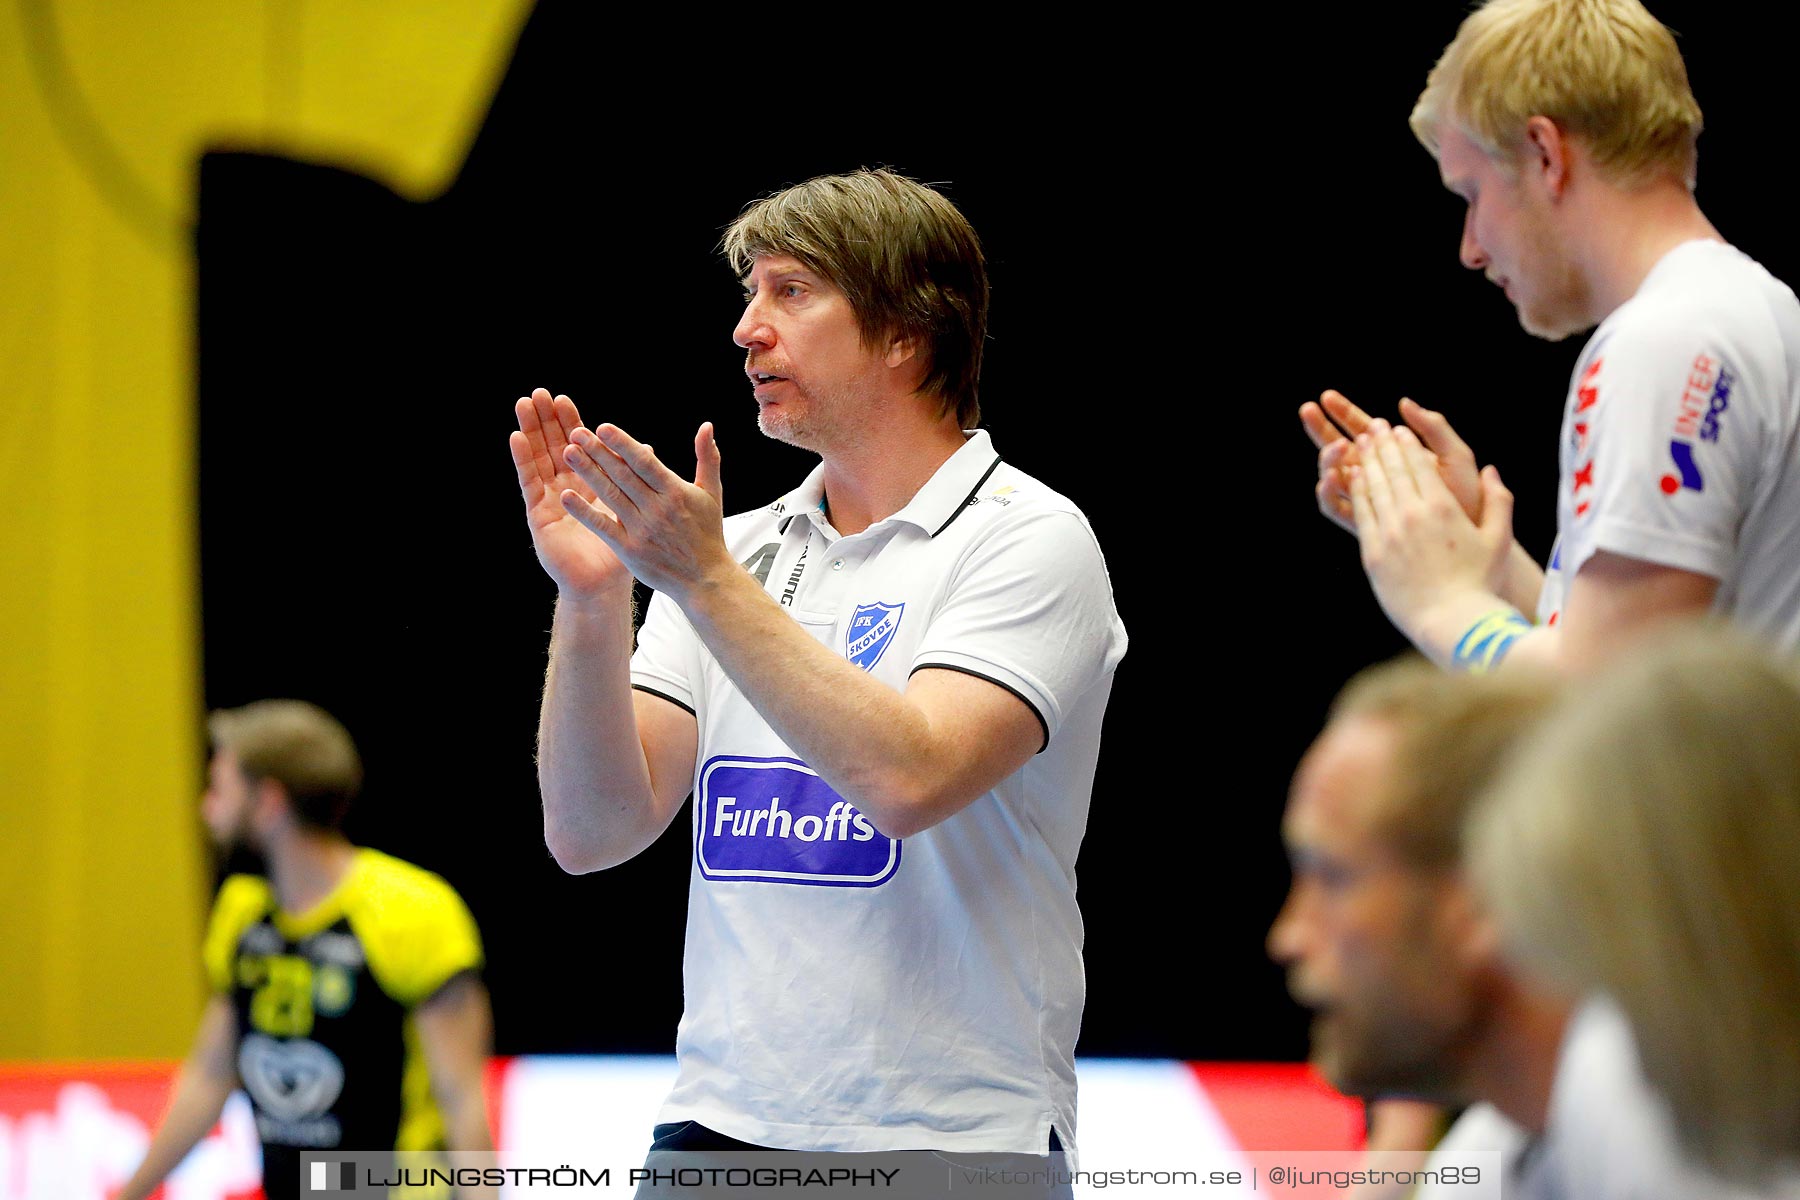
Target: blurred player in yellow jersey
[(346, 999)]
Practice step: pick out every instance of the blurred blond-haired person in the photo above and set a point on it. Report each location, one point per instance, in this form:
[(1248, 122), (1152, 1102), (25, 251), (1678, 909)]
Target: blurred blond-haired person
[(1645, 846)]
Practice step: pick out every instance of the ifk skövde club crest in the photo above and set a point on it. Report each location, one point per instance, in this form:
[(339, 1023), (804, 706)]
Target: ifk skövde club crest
[(871, 629)]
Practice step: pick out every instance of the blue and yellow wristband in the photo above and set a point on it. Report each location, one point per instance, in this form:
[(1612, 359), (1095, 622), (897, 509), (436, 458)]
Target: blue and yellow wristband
[(1486, 642)]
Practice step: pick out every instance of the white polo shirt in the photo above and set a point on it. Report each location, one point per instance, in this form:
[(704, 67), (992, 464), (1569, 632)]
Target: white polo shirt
[(1611, 1134), (1681, 438), (850, 991), (1483, 1127)]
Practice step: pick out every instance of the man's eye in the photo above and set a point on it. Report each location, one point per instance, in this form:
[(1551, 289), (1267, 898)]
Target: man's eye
[(792, 289), (749, 296), (1333, 877)]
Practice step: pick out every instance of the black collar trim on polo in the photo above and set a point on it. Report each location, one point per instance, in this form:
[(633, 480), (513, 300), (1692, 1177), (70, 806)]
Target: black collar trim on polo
[(968, 499)]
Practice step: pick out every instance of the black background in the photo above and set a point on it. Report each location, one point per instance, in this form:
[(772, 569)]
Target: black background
[(1192, 228)]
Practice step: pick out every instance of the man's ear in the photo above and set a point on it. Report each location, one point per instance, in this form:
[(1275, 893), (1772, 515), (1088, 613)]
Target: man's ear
[(270, 800), (900, 350), (1468, 926), (1548, 153)]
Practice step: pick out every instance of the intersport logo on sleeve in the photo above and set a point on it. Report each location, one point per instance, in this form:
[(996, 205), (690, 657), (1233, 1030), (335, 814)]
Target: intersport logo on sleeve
[(773, 820), (1703, 402)]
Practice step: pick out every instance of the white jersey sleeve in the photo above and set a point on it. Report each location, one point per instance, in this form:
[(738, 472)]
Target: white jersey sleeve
[(1665, 438), (1030, 608), (1681, 438), (666, 662)]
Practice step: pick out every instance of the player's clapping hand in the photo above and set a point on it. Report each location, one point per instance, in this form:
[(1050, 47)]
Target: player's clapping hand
[(670, 532), (1334, 423), (580, 563), (1419, 547)]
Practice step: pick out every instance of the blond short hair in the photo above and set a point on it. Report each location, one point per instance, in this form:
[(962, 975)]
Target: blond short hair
[(906, 259), (1647, 843), (1452, 733), (298, 745), (1604, 70)]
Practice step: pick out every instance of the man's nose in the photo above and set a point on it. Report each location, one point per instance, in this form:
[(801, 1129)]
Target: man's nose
[(1287, 936), (1471, 253), (753, 330)]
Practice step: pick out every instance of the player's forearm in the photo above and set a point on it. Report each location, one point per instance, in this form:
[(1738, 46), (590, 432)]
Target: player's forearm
[(1523, 580), (198, 1100), (598, 803), (466, 1128), (873, 746), (466, 1123)]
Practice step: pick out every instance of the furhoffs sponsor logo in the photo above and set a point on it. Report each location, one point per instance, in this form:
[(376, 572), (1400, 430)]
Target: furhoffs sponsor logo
[(773, 820)]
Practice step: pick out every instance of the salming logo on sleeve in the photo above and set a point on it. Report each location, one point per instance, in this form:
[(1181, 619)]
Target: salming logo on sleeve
[(773, 820)]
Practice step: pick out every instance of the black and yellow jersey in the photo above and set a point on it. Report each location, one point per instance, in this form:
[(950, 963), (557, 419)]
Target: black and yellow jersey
[(327, 1050)]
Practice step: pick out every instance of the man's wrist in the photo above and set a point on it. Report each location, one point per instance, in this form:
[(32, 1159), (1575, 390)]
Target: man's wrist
[(594, 606), (1487, 640), (1522, 580), (1441, 626), (720, 583)]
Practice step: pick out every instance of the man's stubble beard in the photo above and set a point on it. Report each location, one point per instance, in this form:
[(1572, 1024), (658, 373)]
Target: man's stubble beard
[(831, 423), (1569, 300)]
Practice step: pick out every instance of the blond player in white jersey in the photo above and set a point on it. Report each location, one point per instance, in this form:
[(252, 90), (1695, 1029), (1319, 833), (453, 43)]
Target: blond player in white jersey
[(1569, 130)]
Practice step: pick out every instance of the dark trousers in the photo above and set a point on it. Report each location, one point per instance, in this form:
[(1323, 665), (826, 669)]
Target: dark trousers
[(703, 1153), (692, 1135)]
